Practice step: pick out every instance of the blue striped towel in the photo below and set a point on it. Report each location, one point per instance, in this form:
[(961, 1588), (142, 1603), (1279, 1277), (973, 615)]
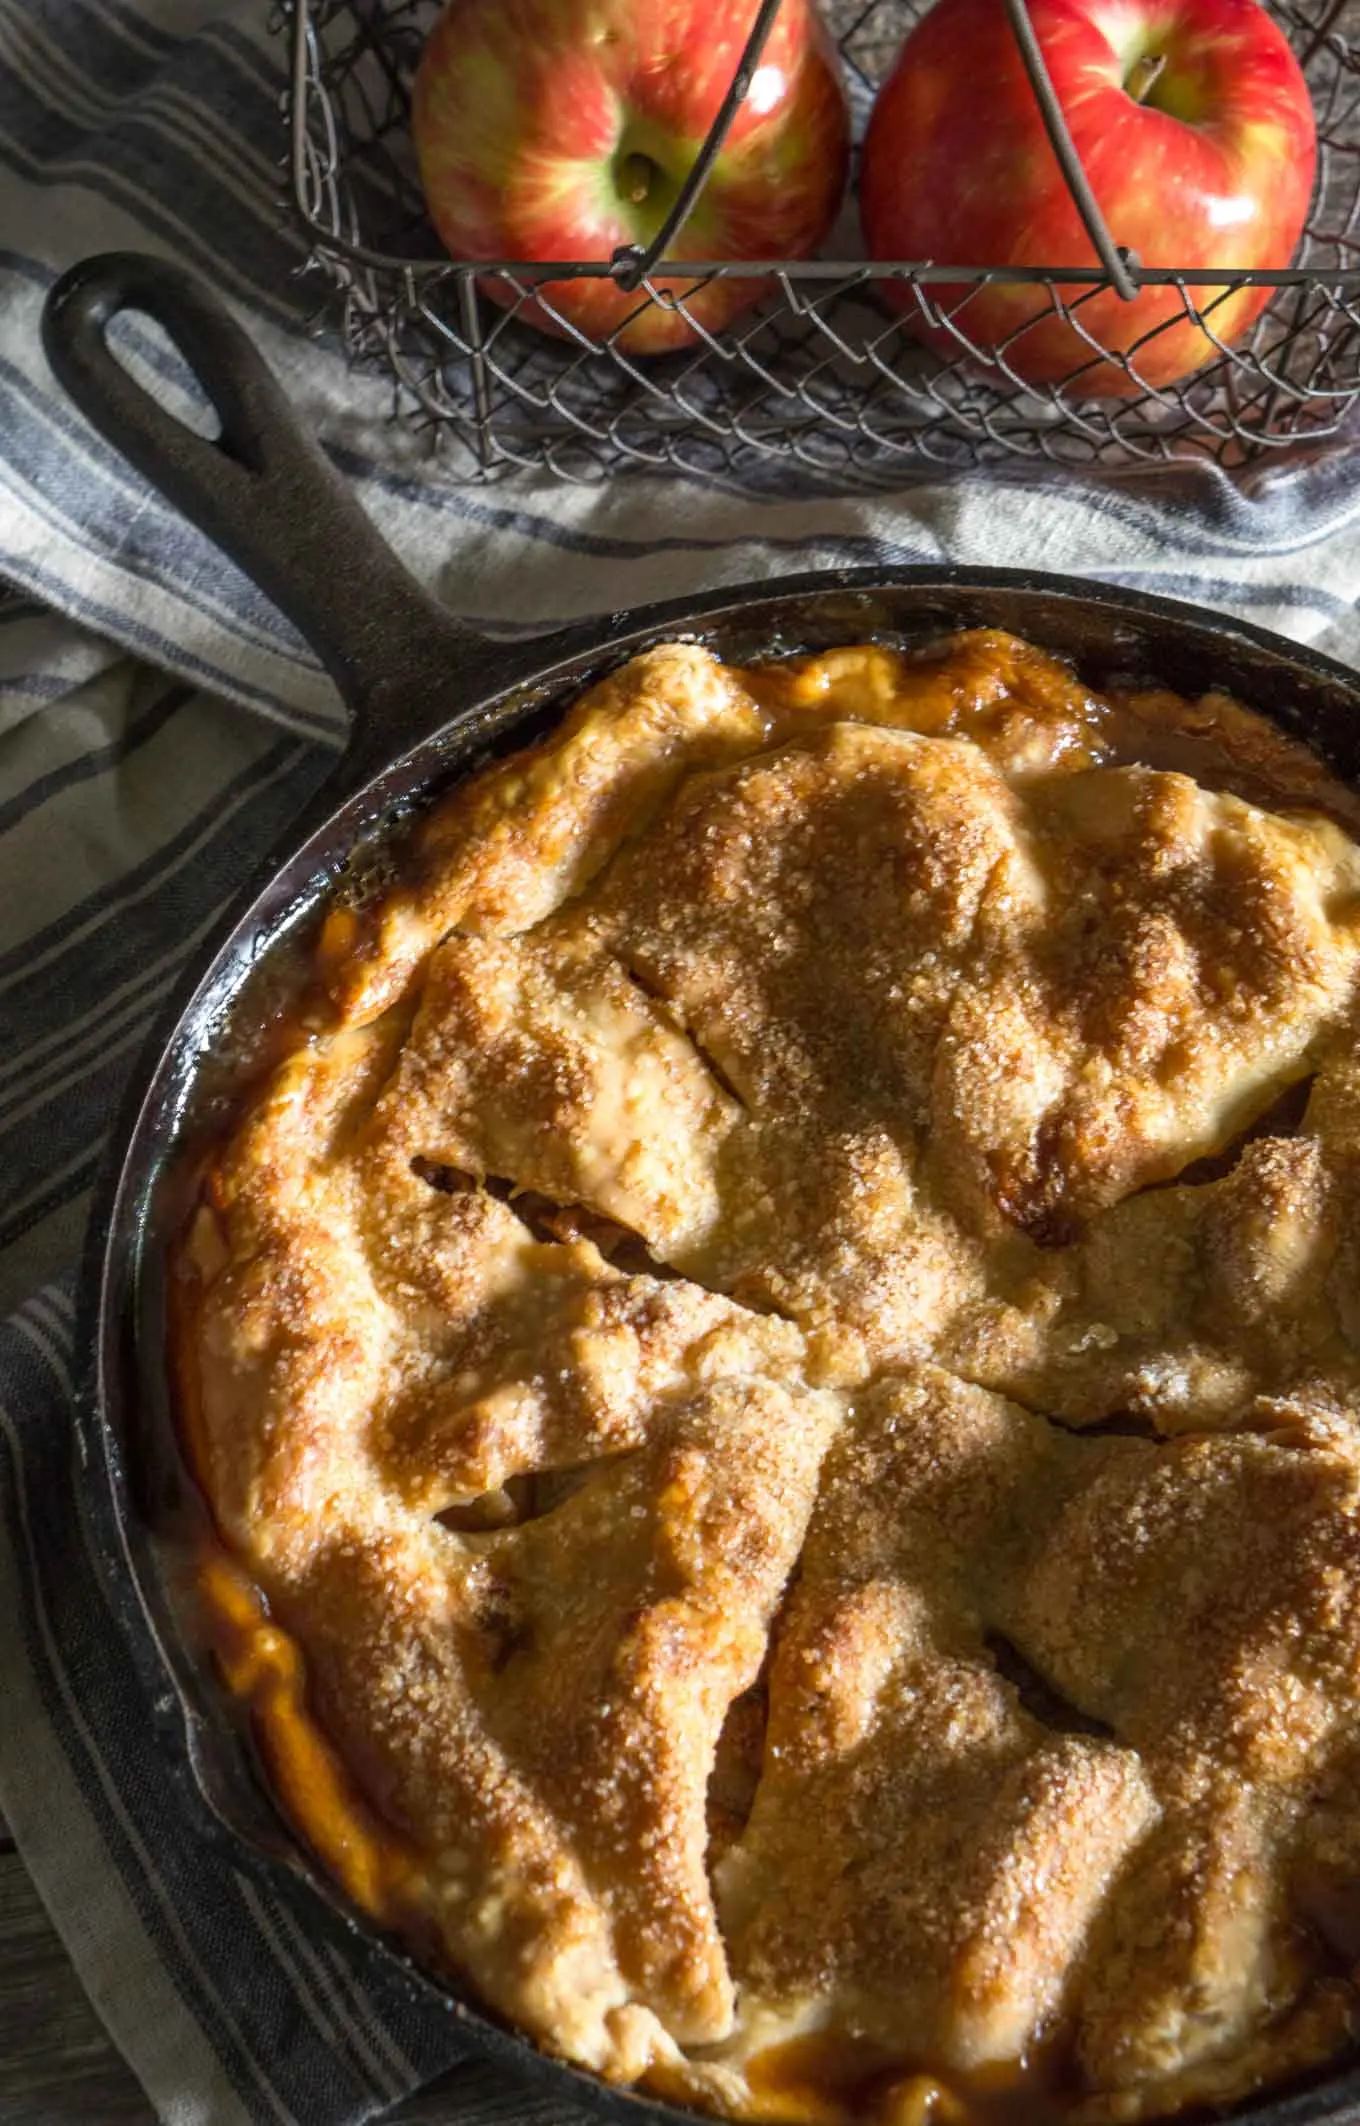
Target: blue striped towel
[(159, 725)]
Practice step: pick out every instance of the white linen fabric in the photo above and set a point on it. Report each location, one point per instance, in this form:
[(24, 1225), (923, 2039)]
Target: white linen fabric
[(159, 725)]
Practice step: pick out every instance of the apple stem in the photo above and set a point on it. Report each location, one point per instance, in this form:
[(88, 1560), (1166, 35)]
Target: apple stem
[(635, 178), (1144, 74)]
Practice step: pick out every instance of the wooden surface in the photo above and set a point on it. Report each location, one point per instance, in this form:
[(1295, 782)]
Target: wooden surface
[(56, 2065), (57, 2068)]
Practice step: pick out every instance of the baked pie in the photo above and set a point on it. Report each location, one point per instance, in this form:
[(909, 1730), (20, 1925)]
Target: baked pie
[(777, 1373)]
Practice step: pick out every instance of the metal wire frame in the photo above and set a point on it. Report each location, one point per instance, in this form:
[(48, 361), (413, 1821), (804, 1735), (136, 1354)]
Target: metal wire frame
[(822, 374)]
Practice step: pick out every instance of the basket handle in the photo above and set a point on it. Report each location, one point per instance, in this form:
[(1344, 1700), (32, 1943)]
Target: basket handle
[(1120, 264), (263, 491)]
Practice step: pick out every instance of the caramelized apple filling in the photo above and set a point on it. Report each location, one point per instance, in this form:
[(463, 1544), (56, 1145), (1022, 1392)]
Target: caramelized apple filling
[(784, 1356)]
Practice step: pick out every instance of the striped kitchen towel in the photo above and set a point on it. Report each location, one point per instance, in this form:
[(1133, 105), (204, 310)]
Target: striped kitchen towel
[(159, 725)]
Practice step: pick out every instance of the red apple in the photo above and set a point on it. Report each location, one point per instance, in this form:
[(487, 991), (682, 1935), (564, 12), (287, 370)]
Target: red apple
[(1196, 131), (562, 129)]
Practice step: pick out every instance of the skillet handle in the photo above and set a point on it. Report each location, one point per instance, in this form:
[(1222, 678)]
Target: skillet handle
[(264, 492)]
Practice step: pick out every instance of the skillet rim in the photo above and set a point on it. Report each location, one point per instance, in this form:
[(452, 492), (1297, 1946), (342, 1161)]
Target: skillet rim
[(357, 794)]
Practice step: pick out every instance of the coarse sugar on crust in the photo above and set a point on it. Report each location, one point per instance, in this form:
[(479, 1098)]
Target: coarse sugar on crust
[(785, 1348)]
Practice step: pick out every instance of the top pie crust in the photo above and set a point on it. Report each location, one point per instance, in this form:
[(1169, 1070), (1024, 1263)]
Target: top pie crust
[(640, 1340)]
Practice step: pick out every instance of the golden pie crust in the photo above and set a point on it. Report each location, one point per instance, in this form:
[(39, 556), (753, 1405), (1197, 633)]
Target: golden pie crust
[(777, 1372)]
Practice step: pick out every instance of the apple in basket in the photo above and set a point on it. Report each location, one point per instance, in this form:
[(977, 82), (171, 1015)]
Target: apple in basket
[(1196, 131), (563, 129)]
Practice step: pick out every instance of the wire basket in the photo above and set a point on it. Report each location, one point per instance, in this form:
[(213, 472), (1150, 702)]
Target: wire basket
[(823, 375)]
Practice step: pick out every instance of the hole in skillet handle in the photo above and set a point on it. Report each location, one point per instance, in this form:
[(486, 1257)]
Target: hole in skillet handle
[(265, 493), (221, 483), (151, 358)]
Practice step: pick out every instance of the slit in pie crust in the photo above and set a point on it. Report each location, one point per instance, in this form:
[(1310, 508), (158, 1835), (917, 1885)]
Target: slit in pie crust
[(778, 1381)]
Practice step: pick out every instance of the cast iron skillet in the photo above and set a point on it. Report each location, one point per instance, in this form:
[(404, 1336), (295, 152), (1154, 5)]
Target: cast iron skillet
[(426, 696)]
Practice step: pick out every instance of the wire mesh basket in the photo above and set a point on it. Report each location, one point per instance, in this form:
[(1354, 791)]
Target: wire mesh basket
[(823, 374)]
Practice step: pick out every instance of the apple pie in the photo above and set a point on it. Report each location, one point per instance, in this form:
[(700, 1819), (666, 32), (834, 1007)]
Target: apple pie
[(776, 1370)]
